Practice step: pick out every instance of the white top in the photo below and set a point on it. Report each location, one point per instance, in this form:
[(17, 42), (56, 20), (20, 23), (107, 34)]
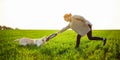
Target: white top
[(78, 24)]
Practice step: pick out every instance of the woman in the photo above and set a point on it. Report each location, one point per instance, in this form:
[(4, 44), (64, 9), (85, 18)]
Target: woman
[(81, 26)]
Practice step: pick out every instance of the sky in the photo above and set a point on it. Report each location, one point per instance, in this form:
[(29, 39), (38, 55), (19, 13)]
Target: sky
[(48, 14)]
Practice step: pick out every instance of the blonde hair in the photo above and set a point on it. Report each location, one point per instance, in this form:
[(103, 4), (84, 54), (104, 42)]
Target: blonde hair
[(67, 17)]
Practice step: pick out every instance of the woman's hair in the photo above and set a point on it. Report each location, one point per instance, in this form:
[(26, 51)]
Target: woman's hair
[(67, 17)]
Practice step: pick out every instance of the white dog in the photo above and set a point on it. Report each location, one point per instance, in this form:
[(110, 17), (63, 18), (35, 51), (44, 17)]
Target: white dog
[(29, 41)]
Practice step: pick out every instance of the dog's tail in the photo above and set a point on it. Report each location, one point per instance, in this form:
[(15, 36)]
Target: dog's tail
[(16, 40)]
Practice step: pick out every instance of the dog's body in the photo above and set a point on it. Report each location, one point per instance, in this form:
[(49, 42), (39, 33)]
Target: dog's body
[(29, 41)]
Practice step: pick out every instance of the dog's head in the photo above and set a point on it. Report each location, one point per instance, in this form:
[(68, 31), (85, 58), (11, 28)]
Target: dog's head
[(44, 39), (41, 41)]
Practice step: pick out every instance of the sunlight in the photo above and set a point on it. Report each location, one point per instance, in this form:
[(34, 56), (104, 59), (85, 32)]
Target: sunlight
[(48, 14)]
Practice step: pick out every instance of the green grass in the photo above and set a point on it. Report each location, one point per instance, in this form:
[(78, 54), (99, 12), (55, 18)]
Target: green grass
[(62, 47)]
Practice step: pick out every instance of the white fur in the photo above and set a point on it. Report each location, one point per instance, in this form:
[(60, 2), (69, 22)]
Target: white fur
[(29, 41)]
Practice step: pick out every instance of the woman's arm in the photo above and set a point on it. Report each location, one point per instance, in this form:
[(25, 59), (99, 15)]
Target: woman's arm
[(63, 29)]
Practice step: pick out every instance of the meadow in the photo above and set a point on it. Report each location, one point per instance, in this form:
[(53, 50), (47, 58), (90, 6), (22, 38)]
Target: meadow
[(62, 47)]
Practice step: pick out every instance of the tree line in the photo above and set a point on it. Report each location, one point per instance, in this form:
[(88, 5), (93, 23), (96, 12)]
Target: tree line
[(7, 28)]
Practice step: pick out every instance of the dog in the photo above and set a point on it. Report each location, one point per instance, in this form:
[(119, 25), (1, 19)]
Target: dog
[(29, 41)]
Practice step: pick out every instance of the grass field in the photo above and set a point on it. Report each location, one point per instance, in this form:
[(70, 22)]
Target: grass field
[(62, 47)]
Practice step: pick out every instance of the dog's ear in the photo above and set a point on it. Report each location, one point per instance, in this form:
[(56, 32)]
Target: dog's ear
[(42, 40)]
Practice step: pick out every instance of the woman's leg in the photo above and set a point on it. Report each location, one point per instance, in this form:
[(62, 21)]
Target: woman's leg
[(90, 37), (78, 41)]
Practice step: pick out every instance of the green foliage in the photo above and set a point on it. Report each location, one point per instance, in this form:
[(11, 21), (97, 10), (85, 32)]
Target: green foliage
[(62, 47)]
